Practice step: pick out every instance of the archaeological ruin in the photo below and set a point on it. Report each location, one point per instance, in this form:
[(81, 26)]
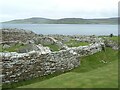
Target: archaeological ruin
[(39, 60)]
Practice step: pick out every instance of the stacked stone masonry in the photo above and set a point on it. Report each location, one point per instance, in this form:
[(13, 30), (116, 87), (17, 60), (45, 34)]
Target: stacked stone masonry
[(24, 66), (40, 61)]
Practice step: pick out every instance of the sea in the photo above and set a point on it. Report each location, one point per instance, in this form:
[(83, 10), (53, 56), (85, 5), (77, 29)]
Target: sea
[(67, 29)]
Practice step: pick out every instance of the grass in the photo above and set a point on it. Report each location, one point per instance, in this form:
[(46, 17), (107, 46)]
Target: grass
[(74, 43), (0, 48), (53, 47), (114, 38), (92, 73), (71, 43), (15, 48), (98, 78)]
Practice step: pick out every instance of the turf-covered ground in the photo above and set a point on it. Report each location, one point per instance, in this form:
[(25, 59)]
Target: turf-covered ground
[(96, 71), (73, 43), (13, 48), (52, 47), (114, 38)]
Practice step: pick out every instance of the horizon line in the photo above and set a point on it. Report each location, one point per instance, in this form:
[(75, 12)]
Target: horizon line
[(61, 18)]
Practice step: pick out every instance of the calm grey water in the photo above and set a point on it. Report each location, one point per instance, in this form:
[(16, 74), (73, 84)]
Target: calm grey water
[(67, 29)]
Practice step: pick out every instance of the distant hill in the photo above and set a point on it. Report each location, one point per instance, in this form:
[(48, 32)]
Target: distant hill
[(37, 20)]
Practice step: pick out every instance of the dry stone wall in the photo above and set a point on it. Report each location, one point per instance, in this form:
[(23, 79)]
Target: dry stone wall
[(34, 65), (109, 43), (23, 66), (41, 61), (16, 35)]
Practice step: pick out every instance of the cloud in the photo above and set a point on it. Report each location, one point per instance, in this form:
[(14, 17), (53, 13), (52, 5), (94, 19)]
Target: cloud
[(15, 9)]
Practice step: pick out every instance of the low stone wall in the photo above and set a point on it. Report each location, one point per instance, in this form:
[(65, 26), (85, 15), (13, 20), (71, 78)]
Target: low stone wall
[(88, 50), (109, 43), (16, 35), (34, 65), (24, 66)]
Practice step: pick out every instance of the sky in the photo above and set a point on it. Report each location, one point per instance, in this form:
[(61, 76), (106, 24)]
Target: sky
[(56, 9)]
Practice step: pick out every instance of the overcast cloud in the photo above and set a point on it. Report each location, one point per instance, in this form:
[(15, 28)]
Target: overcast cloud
[(55, 9)]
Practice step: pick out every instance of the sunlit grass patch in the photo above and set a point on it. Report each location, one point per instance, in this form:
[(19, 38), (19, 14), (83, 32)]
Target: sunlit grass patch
[(15, 48), (0, 48), (74, 43), (113, 38), (53, 47)]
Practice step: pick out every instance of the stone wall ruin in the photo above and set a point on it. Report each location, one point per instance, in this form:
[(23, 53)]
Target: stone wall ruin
[(24, 66), (41, 61)]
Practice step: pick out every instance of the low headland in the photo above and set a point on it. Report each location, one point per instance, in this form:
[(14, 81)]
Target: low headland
[(39, 20)]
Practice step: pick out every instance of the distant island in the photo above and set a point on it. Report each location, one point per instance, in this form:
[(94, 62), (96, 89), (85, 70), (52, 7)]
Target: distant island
[(38, 20)]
